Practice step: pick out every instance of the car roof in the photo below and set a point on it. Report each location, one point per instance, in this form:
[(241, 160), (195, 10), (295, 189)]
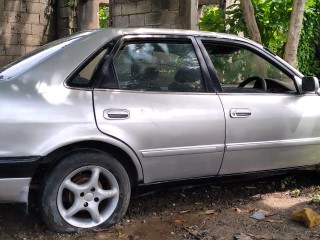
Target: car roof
[(113, 32)]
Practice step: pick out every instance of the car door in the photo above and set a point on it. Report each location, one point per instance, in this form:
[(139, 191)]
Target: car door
[(154, 98), (269, 124)]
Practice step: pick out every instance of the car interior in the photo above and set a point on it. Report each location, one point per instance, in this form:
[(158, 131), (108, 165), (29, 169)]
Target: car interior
[(242, 71), (159, 66)]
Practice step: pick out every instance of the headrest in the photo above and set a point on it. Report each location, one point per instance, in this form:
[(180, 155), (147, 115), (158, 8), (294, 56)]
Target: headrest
[(186, 74), (143, 74), (136, 71), (151, 74)]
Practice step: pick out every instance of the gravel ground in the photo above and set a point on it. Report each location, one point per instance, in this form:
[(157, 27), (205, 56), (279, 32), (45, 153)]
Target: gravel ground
[(220, 211)]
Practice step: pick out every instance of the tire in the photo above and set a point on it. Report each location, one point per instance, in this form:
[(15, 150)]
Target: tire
[(87, 189)]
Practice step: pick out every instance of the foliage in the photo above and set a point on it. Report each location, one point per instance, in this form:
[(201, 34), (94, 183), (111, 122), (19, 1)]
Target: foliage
[(287, 181), (212, 19), (295, 192), (71, 3), (272, 17), (315, 197), (103, 16), (309, 45), (268, 13)]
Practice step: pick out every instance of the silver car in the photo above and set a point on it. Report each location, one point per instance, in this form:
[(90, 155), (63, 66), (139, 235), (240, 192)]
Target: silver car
[(90, 117)]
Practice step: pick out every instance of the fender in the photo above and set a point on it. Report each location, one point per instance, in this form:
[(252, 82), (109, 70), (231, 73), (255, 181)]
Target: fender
[(72, 135)]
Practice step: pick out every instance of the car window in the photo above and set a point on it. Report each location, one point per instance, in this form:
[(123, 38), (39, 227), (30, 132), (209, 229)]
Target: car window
[(84, 77), (158, 66), (241, 70)]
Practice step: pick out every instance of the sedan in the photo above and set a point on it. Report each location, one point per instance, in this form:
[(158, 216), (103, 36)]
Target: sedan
[(87, 119)]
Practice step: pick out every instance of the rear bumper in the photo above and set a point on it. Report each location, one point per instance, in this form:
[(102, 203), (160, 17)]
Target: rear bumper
[(15, 177), (18, 167), (14, 190)]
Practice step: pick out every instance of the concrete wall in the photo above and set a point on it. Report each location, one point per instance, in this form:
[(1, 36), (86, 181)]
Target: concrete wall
[(77, 15), (66, 17), (28, 24), (152, 13), (24, 26), (88, 14)]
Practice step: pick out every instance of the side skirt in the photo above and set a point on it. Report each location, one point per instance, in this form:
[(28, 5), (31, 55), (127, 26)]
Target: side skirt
[(149, 188)]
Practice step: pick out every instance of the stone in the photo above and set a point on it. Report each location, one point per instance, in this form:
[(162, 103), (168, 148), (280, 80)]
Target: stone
[(37, 29), (307, 216), (30, 18), (144, 6), (116, 10), (156, 6), (33, 7), (129, 8), (170, 17), (174, 5), (121, 21), (12, 17), (2, 5), (15, 50), (136, 20), (20, 28), (5, 60), (2, 50), (30, 49), (30, 40), (152, 19), (9, 38)]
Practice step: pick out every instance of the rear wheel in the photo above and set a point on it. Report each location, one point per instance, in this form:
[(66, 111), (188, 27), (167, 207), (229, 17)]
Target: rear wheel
[(85, 190)]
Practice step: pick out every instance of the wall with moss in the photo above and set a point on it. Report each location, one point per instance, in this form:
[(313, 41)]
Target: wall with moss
[(24, 26), (28, 24)]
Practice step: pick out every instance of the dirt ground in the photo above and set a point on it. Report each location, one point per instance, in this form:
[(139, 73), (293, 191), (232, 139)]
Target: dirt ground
[(220, 211)]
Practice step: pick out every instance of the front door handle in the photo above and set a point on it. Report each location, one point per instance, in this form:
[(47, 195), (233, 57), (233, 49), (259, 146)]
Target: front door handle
[(116, 114), (240, 112)]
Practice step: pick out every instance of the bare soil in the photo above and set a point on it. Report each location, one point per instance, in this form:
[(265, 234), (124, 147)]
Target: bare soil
[(220, 211)]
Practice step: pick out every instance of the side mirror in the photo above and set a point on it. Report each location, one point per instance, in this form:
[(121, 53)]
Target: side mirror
[(310, 84)]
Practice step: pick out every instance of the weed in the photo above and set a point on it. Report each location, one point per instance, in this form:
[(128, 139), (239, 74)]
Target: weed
[(295, 192), (315, 197), (290, 180)]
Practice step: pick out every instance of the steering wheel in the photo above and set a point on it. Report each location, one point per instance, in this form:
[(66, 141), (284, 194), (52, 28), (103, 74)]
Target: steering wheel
[(261, 80)]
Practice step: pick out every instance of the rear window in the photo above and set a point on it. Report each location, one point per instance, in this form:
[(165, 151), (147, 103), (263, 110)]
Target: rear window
[(35, 57)]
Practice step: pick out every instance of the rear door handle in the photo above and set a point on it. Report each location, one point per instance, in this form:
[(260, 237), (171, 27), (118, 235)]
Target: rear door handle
[(116, 114), (240, 112)]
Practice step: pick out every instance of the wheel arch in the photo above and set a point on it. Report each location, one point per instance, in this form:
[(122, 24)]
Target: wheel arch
[(128, 159)]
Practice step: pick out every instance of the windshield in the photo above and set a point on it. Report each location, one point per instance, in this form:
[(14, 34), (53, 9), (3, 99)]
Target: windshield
[(35, 57)]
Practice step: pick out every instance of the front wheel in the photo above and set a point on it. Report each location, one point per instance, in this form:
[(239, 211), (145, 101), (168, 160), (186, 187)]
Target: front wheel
[(85, 190)]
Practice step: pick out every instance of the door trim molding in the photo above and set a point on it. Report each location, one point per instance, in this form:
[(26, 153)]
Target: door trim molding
[(163, 152), (272, 144)]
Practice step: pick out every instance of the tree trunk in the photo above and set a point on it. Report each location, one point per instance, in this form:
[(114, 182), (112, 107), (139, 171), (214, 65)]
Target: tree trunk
[(250, 20), (291, 47)]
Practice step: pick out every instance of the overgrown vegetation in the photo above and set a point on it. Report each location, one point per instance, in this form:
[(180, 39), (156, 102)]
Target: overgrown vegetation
[(315, 197), (273, 19), (103, 16), (309, 45)]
